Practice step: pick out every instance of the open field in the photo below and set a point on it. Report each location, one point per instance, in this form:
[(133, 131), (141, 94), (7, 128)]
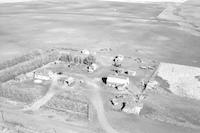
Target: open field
[(148, 1), (123, 26), (14, 1)]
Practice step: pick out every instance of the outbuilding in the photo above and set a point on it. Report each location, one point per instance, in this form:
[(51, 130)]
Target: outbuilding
[(127, 103), (118, 60), (69, 81), (130, 72), (66, 81), (91, 68), (133, 109), (85, 52)]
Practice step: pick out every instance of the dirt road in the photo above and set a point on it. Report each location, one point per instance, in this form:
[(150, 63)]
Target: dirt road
[(53, 89), (95, 99), (98, 104)]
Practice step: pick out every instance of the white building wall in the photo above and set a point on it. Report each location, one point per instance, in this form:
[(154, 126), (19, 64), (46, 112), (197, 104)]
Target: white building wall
[(116, 80), (42, 77)]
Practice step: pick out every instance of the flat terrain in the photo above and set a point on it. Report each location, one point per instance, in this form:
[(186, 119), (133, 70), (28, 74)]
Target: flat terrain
[(167, 32), (148, 1), (63, 108), (130, 29)]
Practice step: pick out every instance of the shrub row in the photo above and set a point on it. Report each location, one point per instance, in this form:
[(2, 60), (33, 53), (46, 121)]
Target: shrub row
[(36, 59), (19, 59), (27, 66), (69, 58), (90, 59), (77, 59)]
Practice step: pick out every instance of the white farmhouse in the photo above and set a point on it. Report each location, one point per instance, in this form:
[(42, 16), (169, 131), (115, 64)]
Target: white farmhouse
[(43, 75), (116, 81)]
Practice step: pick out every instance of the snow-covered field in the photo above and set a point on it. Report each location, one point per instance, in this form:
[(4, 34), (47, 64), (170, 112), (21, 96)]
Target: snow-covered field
[(183, 80), (13, 1), (148, 1), (134, 1)]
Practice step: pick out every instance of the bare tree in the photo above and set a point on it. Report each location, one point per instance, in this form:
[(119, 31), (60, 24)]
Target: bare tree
[(2, 115), (89, 60)]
